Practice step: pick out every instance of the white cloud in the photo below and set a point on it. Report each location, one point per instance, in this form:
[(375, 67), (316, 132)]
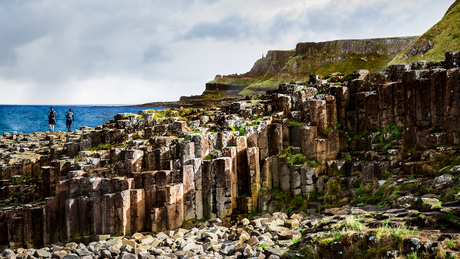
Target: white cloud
[(120, 52)]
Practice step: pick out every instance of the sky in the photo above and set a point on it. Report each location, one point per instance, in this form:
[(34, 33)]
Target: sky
[(132, 52)]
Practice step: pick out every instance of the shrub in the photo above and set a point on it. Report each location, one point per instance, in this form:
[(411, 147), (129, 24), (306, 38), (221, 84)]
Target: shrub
[(242, 132), (388, 135), (294, 124), (297, 160), (100, 147)]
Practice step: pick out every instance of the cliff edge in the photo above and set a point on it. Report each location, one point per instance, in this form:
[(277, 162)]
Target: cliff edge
[(319, 58), (442, 37)]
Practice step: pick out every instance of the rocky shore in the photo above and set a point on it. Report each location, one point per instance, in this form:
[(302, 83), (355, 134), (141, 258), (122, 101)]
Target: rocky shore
[(359, 166), (194, 102)]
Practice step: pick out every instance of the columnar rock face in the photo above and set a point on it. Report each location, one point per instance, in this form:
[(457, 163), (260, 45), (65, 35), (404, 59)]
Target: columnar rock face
[(155, 170)]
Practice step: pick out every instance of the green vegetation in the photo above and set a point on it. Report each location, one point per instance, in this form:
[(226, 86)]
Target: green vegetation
[(298, 159), (100, 147), (386, 137), (445, 36), (450, 244), (253, 214), (386, 239), (242, 131), (16, 181), (270, 82), (294, 124), (159, 114)]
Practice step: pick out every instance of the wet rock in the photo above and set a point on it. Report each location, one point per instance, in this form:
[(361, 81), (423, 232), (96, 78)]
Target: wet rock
[(289, 235), (411, 245), (443, 180), (59, 254), (42, 254), (129, 256), (391, 254)]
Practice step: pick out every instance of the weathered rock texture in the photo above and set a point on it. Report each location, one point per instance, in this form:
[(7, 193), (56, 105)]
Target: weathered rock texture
[(313, 58), (162, 168)]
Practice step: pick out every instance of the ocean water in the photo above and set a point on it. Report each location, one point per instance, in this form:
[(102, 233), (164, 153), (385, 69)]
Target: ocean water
[(34, 118)]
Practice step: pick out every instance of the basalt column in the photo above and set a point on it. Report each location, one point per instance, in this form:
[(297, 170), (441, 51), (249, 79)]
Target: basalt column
[(223, 172), (242, 167), (231, 152)]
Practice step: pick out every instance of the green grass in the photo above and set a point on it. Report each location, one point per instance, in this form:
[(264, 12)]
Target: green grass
[(384, 141), (100, 147), (298, 159), (445, 35), (262, 85), (294, 124), (232, 81)]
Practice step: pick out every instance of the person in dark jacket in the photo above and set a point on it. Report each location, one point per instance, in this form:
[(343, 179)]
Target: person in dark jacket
[(52, 116), (69, 119)]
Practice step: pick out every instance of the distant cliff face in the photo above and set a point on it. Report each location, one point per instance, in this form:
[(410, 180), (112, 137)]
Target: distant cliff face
[(442, 37), (342, 48), (322, 58), (345, 56), (272, 63)]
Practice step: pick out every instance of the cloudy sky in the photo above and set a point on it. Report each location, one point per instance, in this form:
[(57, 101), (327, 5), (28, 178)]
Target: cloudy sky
[(132, 52)]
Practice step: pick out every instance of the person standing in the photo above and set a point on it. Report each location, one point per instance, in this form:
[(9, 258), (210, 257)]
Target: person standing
[(69, 119), (52, 115)]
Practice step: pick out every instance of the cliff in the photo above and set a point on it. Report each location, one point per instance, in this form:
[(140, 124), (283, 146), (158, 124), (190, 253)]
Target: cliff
[(345, 56), (321, 58), (272, 63), (442, 37)]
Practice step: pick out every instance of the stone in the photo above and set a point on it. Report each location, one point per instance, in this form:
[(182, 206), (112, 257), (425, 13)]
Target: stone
[(289, 235), (59, 254), (42, 253), (129, 256), (252, 241), (411, 245), (443, 180), (291, 223), (129, 242), (244, 237)]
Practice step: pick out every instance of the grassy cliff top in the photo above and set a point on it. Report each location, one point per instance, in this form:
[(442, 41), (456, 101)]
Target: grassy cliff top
[(442, 37)]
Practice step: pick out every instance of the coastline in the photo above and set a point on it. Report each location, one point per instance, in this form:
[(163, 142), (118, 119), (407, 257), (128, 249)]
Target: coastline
[(191, 103)]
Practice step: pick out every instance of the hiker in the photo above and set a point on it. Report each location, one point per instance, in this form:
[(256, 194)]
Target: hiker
[(52, 115), (69, 119)]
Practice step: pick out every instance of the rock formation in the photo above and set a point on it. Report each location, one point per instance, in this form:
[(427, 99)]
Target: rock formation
[(319, 58), (383, 146)]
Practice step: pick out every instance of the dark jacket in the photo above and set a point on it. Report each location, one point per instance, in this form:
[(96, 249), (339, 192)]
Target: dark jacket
[(69, 116), (52, 115)]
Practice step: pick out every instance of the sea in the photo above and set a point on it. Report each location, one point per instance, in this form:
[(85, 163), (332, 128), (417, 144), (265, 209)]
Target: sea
[(34, 118)]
